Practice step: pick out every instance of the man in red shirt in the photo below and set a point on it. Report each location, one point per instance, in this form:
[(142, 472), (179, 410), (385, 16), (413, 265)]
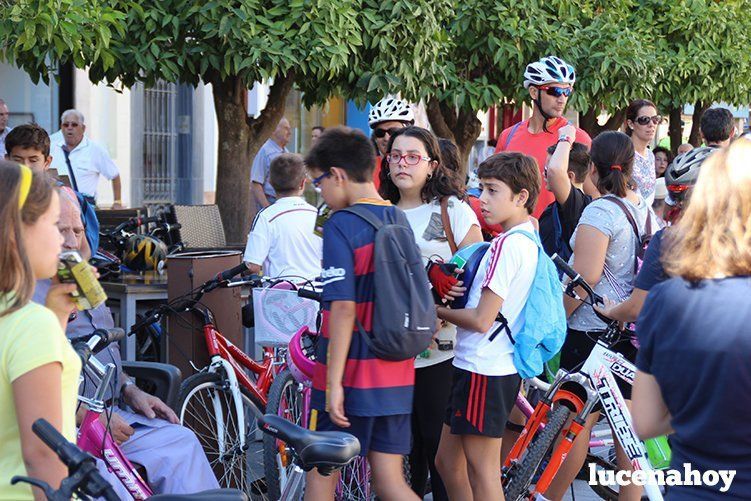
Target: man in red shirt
[(388, 114), (550, 82)]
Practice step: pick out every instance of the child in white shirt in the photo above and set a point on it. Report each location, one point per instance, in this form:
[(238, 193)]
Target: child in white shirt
[(485, 381), (281, 240)]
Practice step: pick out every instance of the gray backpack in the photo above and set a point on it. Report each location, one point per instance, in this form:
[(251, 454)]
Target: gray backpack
[(404, 315)]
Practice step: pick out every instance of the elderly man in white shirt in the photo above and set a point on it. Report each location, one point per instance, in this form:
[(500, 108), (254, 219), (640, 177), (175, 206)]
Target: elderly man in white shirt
[(73, 151)]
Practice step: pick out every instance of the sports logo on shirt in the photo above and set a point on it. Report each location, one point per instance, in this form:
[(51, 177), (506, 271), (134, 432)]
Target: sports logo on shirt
[(331, 275)]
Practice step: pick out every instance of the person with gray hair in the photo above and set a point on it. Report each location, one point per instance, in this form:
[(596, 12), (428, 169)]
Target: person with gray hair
[(83, 160), (4, 129)]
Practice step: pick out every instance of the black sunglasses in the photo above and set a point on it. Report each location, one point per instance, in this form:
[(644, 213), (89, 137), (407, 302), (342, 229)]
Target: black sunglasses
[(380, 133), (644, 120)]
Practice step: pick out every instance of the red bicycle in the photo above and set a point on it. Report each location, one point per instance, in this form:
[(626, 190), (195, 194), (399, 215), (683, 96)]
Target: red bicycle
[(221, 403)]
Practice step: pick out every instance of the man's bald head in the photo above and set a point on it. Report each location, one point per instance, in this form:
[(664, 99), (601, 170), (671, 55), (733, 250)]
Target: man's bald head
[(282, 133)]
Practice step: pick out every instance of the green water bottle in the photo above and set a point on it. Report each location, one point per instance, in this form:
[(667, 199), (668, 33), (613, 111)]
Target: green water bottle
[(658, 452)]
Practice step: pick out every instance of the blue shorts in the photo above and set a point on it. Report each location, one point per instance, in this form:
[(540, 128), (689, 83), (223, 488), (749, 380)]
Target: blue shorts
[(387, 434)]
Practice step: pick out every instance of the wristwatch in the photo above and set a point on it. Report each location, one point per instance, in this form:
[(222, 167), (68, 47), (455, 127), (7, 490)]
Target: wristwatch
[(566, 139)]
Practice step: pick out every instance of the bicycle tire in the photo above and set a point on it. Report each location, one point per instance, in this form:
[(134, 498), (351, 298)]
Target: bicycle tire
[(283, 390), (197, 410), (604, 491), (520, 478)]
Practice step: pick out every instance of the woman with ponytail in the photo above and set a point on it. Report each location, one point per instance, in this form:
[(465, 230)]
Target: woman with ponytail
[(605, 246), (38, 369)]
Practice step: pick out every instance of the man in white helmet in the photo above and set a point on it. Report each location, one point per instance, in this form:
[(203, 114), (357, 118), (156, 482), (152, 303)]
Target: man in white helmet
[(550, 82), (388, 114)]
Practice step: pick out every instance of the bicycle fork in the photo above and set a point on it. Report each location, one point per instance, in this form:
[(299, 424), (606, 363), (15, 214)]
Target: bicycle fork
[(539, 418)]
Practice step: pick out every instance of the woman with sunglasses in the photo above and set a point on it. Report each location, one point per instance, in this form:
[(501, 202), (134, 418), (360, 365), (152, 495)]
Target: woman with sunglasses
[(389, 115), (415, 180), (38, 368), (642, 120), (550, 82)]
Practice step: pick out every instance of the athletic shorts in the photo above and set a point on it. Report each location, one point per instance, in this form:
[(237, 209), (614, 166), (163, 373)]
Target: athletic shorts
[(480, 405), (387, 434)]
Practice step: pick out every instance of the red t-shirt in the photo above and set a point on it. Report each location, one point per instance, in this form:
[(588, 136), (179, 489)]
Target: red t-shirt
[(536, 145)]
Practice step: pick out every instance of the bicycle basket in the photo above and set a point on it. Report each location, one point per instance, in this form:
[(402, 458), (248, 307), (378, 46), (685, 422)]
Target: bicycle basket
[(279, 314)]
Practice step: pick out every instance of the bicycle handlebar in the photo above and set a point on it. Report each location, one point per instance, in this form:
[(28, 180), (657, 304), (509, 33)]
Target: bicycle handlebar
[(309, 294), (98, 340), (576, 279)]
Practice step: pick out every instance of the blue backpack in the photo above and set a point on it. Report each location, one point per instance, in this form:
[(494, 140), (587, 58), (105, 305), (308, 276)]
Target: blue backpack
[(90, 222), (544, 330)]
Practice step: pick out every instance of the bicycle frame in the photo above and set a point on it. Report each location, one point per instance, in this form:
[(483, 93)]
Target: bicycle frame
[(94, 438), (597, 380)]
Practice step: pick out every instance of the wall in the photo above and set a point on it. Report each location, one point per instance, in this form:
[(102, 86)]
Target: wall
[(22, 96)]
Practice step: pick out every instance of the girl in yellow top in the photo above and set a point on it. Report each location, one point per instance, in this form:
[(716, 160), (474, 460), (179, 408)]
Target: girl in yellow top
[(38, 369)]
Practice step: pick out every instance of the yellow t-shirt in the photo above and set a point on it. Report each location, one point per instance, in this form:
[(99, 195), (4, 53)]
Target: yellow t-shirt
[(30, 338)]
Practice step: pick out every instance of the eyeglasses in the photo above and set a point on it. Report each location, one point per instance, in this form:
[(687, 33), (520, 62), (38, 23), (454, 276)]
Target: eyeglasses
[(644, 120), (381, 133), (316, 181), (556, 91), (409, 158), (70, 124)]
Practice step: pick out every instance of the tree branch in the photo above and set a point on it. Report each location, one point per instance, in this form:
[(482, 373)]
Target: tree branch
[(265, 124)]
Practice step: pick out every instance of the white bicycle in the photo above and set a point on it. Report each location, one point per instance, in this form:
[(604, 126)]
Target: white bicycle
[(576, 394)]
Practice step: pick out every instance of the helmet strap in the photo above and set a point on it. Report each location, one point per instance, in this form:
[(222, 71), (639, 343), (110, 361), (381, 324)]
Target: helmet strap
[(545, 116)]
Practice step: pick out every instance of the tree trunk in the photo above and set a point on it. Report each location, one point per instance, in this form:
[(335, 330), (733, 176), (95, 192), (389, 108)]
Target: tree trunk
[(675, 129), (588, 121), (695, 137), (240, 138), (462, 128)]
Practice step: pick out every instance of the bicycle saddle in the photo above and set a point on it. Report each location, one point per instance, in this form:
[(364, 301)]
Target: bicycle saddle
[(212, 495), (325, 450)]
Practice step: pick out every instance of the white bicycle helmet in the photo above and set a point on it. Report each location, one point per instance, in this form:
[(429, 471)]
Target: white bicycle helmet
[(684, 171), (390, 109), (549, 69)]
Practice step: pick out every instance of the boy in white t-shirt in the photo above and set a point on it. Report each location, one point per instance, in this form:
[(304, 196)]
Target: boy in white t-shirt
[(485, 380), (281, 239)]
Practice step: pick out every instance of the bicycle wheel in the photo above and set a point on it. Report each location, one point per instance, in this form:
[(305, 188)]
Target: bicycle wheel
[(602, 455), (206, 406), (520, 477), (354, 482), (286, 399)]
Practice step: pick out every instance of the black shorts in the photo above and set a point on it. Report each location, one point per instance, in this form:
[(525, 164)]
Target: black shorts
[(579, 345), (480, 405)]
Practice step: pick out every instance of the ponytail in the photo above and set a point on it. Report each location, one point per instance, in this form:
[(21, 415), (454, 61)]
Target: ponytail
[(612, 154)]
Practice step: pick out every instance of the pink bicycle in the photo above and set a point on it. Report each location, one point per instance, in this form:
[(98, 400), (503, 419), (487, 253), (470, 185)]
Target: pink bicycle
[(93, 436)]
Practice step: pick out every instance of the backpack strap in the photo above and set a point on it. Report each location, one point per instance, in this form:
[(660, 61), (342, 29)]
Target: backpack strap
[(500, 318), (365, 214), (447, 225), (633, 224), (511, 134), (628, 214)]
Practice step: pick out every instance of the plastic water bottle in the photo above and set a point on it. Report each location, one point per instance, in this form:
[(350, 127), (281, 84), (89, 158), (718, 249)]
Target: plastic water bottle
[(658, 452)]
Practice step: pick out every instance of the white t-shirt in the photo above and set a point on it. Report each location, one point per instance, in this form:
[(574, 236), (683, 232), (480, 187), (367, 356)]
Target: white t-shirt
[(282, 240), (427, 226), (89, 160), (508, 270)]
